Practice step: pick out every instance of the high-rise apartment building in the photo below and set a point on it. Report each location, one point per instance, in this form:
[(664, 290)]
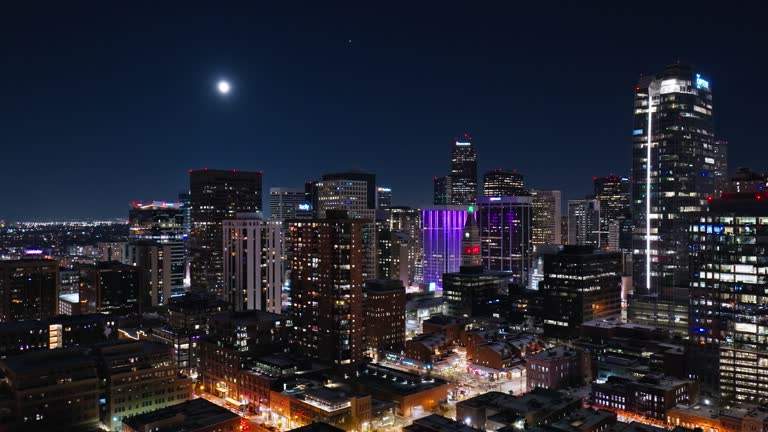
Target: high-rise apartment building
[(546, 209), (729, 273), (288, 203), (384, 315), (442, 228), (500, 182), (254, 265), (580, 284), (584, 223), (463, 171), (29, 289), (441, 190), (327, 287), (675, 161), (384, 197), (216, 195), (156, 245), (505, 230)]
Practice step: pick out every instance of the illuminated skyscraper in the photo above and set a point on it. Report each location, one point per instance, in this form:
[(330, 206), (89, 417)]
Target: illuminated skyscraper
[(156, 245), (407, 221), (288, 203), (584, 223), (358, 175), (442, 228), (327, 287), (348, 195), (29, 289), (463, 171), (729, 273), (384, 198), (216, 195), (505, 230), (500, 182), (254, 249), (546, 215), (613, 193), (442, 190), (673, 176)]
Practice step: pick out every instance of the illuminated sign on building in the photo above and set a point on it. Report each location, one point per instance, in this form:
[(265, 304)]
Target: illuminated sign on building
[(701, 83), (304, 206)]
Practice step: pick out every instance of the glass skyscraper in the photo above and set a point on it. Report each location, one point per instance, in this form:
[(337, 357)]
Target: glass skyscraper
[(442, 227), (673, 176), (463, 171), (505, 232)]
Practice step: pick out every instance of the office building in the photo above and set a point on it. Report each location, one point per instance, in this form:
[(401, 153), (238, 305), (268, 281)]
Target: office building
[(463, 171), (729, 272), (505, 230), (348, 195), (196, 415), (384, 197), (327, 287), (111, 251), (254, 266), (358, 175), (215, 195), (546, 213), (500, 183), (613, 194), (584, 223), (112, 287), (384, 316), (29, 289), (745, 181), (288, 203), (393, 251), (138, 377), (407, 221), (580, 284), (441, 190), (51, 390), (156, 245), (442, 228), (651, 396), (675, 161)]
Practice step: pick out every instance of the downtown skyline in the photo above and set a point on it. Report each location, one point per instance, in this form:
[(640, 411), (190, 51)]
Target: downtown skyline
[(556, 108)]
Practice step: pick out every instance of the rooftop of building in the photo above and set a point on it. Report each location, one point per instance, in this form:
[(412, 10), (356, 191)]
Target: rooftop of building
[(190, 415), (244, 317), (535, 400), (424, 302), (438, 423), (317, 427), (58, 359), (443, 320), (384, 285), (431, 340), (556, 353), (584, 419), (614, 323), (654, 381), (397, 381)]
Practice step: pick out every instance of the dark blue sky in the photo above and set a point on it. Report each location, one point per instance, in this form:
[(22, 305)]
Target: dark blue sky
[(101, 105)]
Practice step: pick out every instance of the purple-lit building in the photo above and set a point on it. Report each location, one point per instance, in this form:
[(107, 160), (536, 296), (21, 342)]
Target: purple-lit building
[(442, 228), (505, 231)]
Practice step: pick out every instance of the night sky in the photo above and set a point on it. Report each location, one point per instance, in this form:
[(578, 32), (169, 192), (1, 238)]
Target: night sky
[(101, 105)]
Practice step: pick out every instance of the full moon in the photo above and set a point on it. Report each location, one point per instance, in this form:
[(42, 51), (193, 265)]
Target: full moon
[(223, 87)]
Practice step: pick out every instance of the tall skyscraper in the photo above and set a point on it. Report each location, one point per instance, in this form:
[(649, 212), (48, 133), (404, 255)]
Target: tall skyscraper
[(442, 190), (384, 197), (407, 221), (442, 228), (546, 208), (584, 223), (288, 203), (216, 195), (613, 193), (500, 182), (254, 251), (348, 195), (463, 171), (156, 245), (729, 273), (29, 289), (327, 287), (675, 160), (505, 230)]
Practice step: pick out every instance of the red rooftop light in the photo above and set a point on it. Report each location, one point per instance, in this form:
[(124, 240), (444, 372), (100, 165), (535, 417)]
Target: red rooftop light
[(710, 198)]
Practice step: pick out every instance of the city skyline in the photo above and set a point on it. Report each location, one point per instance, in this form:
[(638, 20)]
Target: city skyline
[(301, 84)]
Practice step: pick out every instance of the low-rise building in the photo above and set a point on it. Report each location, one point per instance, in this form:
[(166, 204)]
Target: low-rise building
[(405, 389), (451, 327), (650, 396), (196, 415), (584, 420), (557, 368), (303, 402), (437, 423), (494, 410), (428, 348)]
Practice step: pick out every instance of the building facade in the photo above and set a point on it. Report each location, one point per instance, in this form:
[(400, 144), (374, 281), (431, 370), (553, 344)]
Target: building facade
[(505, 232), (29, 289), (584, 223), (288, 203), (546, 213), (442, 228), (463, 171), (384, 315), (500, 183)]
